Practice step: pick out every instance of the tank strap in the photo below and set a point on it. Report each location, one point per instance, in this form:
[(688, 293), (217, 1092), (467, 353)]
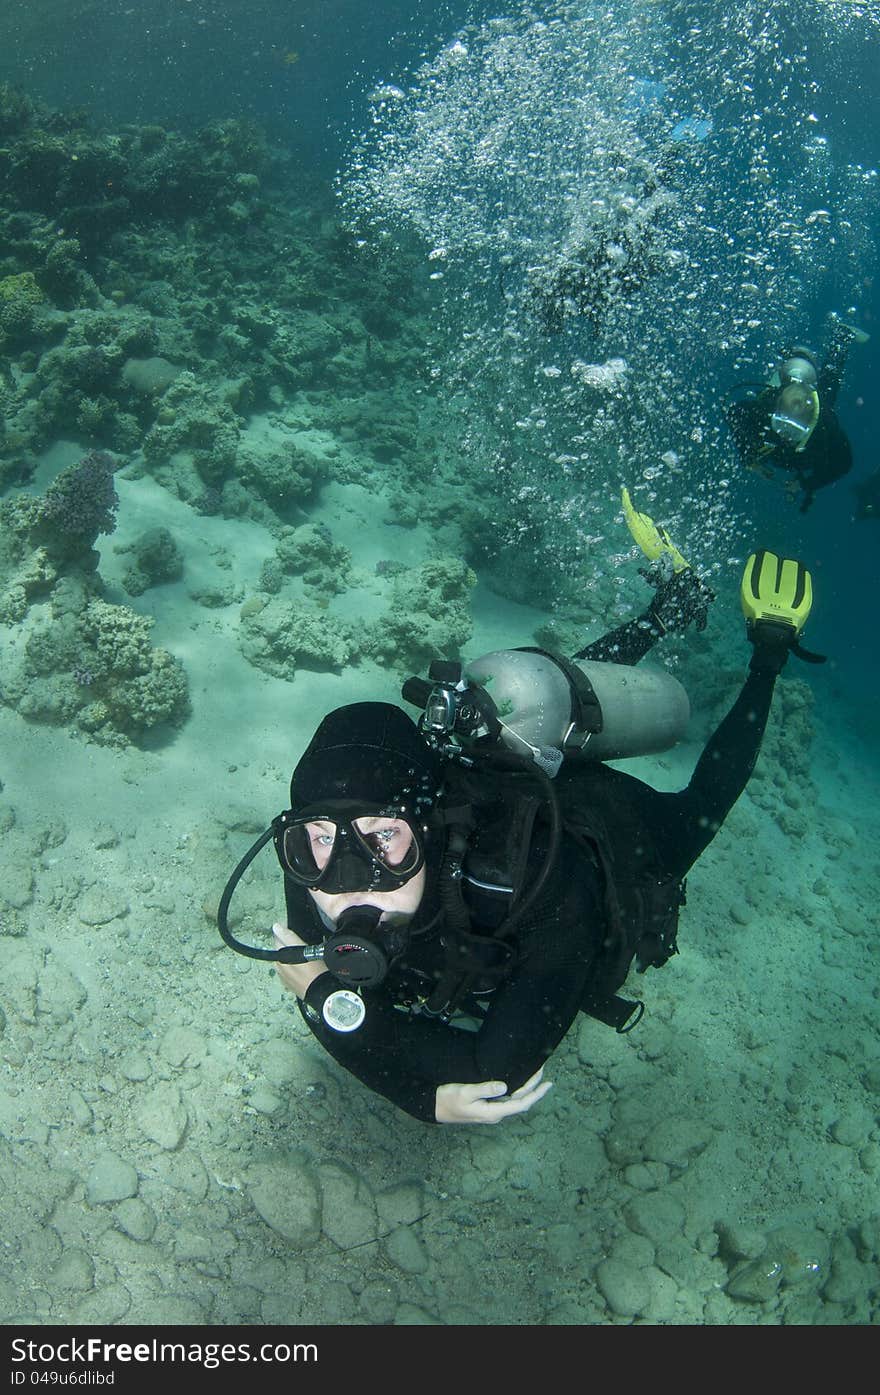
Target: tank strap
[(586, 712)]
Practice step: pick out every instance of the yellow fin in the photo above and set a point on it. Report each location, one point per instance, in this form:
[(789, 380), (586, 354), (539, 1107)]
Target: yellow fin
[(776, 588), (651, 537)]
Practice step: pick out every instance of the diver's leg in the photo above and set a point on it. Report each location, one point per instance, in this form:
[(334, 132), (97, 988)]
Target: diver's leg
[(681, 600), (627, 644)]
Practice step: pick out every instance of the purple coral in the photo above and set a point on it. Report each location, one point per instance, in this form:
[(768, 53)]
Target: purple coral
[(82, 501)]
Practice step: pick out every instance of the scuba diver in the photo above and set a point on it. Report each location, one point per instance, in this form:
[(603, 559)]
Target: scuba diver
[(614, 257), (459, 887), (619, 242), (791, 424)]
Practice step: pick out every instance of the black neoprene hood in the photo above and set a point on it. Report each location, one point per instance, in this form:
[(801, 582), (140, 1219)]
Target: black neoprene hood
[(369, 752)]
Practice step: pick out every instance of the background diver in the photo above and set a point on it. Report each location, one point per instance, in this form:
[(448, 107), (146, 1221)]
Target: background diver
[(618, 243), (617, 249), (460, 888), (791, 424)]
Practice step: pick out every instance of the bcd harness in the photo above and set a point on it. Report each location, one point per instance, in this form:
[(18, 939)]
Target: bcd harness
[(495, 826)]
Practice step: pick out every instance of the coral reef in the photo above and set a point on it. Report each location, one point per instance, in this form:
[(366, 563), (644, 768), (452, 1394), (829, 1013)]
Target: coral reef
[(194, 418), (155, 558), (145, 312), (144, 306), (89, 665), (80, 661), (428, 615), (310, 552), (79, 505), (284, 478), (281, 636), (20, 297)]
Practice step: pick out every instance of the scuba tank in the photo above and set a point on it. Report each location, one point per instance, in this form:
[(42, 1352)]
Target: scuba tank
[(547, 708), (603, 710)]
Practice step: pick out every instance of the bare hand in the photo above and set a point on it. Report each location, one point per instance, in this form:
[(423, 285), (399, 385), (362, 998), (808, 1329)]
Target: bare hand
[(480, 1104), (296, 977)]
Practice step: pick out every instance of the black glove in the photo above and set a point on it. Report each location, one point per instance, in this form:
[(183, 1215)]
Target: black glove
[(679, 600)]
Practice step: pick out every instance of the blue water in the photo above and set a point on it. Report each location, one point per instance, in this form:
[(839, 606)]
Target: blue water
[(300, 67), (770, 116)]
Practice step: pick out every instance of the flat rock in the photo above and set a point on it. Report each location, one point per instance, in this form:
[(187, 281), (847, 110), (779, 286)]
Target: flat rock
[(287, 1196), (111, 1178), (162, 1116)]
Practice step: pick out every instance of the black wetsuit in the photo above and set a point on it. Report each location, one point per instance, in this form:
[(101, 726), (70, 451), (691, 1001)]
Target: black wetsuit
[(405, 1056), (827, 456)]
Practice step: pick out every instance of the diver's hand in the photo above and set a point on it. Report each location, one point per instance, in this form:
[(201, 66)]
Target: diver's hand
[(482, 1104), (680, 600), (296, 978), (796, 489)]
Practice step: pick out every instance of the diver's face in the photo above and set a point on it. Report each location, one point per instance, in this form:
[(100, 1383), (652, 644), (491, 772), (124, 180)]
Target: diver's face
[(795, 414), (393, 840)]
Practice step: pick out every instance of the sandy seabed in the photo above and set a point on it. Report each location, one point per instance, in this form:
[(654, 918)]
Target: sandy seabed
[(176, 1149)]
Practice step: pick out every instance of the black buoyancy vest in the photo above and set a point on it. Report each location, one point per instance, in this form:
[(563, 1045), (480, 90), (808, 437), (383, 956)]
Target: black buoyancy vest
[(641, 901)]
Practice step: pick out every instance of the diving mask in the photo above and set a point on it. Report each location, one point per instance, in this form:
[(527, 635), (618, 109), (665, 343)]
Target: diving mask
[(336, 850), (795, 416)]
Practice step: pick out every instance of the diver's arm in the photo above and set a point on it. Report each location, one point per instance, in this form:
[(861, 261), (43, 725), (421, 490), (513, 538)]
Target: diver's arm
[(442, 1074), (431, 1071), (400, 1057), (376, 1051), (834, 365), (411, 1060)]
